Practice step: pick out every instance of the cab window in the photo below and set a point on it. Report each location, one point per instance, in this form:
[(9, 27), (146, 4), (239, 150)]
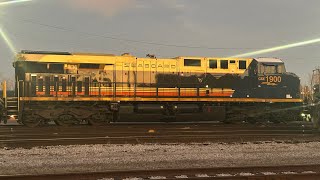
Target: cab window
[(271, 68), (281, 69)]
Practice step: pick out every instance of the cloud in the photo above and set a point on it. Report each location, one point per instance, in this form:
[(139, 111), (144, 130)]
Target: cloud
[(105, 7)]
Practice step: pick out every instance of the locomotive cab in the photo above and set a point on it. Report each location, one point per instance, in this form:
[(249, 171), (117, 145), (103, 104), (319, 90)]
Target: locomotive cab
[(266, 66), (274, 80)]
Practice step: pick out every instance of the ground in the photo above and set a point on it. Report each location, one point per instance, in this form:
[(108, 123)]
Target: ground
[(84, 158)]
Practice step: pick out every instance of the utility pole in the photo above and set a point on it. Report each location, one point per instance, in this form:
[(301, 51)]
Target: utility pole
[(315, 83), (318, 83), (316, 98)]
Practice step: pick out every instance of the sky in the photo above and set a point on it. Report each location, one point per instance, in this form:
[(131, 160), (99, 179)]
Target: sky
[(166, 28)]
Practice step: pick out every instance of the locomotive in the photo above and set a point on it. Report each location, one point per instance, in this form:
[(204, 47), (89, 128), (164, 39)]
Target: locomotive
[(76, 88)]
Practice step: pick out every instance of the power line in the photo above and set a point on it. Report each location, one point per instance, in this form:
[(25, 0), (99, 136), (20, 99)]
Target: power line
[(127, 40), (69, 44), (303, 59)]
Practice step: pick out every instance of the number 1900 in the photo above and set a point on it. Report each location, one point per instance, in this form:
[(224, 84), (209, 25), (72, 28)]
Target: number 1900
[(273, 79)]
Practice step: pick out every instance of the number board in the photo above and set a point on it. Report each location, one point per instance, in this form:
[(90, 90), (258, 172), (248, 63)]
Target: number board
[(271, 80)]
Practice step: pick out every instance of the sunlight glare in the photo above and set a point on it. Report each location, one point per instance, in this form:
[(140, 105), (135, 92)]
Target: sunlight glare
[(277, 48), (7, 40), (13, 2)]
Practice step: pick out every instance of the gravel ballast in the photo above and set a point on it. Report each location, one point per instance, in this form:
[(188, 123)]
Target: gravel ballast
[(87, 158)]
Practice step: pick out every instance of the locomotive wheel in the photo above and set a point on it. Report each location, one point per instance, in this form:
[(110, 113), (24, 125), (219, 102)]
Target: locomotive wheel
[(66, 120), (31, 120), (100, 119)]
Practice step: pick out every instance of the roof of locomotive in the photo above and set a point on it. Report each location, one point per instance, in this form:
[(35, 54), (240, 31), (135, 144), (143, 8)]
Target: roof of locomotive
[(45, 53), (63, 53), (211, 58), (269, 60), (125, 54)]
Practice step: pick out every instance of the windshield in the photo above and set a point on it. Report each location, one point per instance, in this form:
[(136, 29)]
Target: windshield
[(271, 68)]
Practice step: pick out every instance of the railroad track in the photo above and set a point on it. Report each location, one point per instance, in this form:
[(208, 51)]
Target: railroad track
[(296, 172), (19, 136)]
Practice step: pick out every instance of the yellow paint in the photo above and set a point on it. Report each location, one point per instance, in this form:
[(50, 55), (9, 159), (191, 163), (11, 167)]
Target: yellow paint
[(131, 63)]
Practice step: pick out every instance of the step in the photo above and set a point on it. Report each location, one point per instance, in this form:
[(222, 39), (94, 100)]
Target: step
[(12, 110), (16, 115), (12, 116), (12, 102), (12, 98), (12, 105)]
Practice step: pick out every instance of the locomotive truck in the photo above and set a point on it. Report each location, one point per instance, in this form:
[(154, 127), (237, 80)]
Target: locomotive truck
[(76, 88)]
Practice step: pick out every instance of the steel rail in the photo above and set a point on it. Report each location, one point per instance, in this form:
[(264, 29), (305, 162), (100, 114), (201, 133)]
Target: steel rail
[(26, 137), (29, 143), (295, 172)]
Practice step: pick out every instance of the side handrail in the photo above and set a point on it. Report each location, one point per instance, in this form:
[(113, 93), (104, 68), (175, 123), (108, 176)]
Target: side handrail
[(3, 101), (4, 91)]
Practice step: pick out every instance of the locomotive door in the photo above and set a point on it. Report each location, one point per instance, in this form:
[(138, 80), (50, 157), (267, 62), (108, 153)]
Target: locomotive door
[(128, 78)]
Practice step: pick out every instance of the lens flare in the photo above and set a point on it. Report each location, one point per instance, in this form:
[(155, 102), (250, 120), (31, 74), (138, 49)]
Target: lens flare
[(278, 48), (2, 32), (13, 2), (7, 40)]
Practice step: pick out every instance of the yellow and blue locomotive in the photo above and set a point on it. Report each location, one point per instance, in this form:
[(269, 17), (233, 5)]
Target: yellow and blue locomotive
[(74, 88)]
